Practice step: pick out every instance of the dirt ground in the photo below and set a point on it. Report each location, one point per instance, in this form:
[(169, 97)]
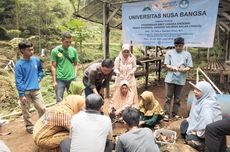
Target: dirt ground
[(21, 141)]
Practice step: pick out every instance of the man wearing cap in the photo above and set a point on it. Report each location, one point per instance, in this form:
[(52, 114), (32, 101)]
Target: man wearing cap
[(178, 62)]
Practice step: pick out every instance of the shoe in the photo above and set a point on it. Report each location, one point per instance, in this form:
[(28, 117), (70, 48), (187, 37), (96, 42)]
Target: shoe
[(196, 145), (166, 118), (30, 129), (176, 116)]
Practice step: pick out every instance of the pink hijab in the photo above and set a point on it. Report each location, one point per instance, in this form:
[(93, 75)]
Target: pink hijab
[(118, 101), (130, 57)]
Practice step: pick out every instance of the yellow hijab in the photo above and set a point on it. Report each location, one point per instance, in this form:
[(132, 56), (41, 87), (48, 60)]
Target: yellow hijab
[(149, 105)]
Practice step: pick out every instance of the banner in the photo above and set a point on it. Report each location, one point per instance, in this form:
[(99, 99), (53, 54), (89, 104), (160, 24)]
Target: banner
[(158, 22)]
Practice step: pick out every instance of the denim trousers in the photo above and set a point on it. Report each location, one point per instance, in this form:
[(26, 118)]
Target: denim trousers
[(61, 86), (172, 90)]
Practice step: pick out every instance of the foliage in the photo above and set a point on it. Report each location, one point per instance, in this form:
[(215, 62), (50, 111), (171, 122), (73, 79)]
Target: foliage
[(216, 50), (13, 33), (80, 32)]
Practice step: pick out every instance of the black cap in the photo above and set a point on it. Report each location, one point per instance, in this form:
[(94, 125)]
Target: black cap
[(179, 40)]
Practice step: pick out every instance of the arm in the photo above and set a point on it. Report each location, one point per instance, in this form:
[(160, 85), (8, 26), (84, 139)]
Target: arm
[(116, 66), (92, 81), (20, 83), (75, 68), (53, 70), (206, 117), (167, 63), (119, 146), (107, 79), (151, 121), (134, 67), (40, 71)]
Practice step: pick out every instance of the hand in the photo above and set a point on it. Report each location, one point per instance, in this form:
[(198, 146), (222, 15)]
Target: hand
[(141, 123), (55, 86), (194, 132), (23, 100)]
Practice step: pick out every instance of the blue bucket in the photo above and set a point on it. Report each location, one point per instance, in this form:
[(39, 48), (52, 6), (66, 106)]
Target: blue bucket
[(223, 99)]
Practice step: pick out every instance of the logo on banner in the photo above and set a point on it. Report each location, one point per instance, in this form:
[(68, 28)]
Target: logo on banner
[(184, 4)]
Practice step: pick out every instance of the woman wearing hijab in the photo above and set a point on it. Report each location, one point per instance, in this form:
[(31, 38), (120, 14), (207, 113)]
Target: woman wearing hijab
[(205, 110), (125, 67), (54, 125), (151, 111), (122, 98)]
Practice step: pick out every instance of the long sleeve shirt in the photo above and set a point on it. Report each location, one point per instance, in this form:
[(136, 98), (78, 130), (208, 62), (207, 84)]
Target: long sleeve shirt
[(28, 73), (94, 77)]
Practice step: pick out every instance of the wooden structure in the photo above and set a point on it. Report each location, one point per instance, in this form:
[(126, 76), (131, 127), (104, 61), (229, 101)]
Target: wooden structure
[(109, 13)]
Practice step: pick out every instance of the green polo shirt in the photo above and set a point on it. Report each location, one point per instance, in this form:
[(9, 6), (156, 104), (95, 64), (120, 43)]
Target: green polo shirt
[(64, 68)]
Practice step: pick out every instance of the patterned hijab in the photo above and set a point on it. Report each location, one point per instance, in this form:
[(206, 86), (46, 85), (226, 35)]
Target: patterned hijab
[(130, 58), (149, 105), (60, 114)]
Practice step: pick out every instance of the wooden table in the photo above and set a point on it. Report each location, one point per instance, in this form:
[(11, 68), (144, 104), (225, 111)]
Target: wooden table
[(157, 62)]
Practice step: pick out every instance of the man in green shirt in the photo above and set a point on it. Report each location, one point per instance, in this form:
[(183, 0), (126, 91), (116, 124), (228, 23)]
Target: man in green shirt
[(64, 60)]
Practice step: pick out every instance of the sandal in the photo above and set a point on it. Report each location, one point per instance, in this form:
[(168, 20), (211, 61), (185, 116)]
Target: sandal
[(30, 129)]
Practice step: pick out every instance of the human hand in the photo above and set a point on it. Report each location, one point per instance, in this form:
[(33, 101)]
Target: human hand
[(141, 123), (55, 86), (23, 100)]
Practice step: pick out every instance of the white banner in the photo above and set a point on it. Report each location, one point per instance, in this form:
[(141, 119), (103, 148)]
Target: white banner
[(158, 22)]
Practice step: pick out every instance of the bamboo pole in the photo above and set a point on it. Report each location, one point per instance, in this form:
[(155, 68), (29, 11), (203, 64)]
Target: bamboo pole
[(20, 113), (210, 81)]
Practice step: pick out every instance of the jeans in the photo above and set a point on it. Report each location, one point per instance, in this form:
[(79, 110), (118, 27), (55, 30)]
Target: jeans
[(172, 90), (61, 86), (88, 90)]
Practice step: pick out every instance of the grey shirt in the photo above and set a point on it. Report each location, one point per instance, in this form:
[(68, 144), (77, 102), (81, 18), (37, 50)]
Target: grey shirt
[(93, 76), (141, 140)]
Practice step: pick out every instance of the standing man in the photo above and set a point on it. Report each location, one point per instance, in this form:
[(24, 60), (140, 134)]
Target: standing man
[(64, 60), (28, 74), (178, 62), (97, 76)]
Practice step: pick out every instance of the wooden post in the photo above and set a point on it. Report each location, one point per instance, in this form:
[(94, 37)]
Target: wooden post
[(208, 54), (106, 38), (105, 31)]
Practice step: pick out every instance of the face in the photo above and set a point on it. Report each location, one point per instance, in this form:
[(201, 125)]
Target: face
[(124, 89), (66, 42), (126, 53), (179, 47), (197, 93), (106, 70), (28, 52)]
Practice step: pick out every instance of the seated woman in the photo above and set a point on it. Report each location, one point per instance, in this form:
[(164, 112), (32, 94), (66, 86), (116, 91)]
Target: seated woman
[(205, 109), (122, 98), (150, 109), (54, 125)]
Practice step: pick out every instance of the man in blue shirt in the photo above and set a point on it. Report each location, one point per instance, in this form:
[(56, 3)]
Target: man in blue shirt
[(28, 74), (178, 62)]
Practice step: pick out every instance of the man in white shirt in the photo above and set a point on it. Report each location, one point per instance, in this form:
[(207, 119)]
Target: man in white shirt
[(90, 130)]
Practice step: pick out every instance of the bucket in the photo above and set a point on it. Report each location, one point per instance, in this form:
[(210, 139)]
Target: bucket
[(164, 132)]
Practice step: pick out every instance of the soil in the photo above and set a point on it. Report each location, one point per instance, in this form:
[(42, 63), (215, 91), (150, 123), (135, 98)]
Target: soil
[(20, 140)]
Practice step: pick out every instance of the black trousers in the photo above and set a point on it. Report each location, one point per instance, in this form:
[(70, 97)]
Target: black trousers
[(215, 135), (65, 145)]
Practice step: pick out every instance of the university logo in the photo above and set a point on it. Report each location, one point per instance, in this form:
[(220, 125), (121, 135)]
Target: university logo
[(184, 4)]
